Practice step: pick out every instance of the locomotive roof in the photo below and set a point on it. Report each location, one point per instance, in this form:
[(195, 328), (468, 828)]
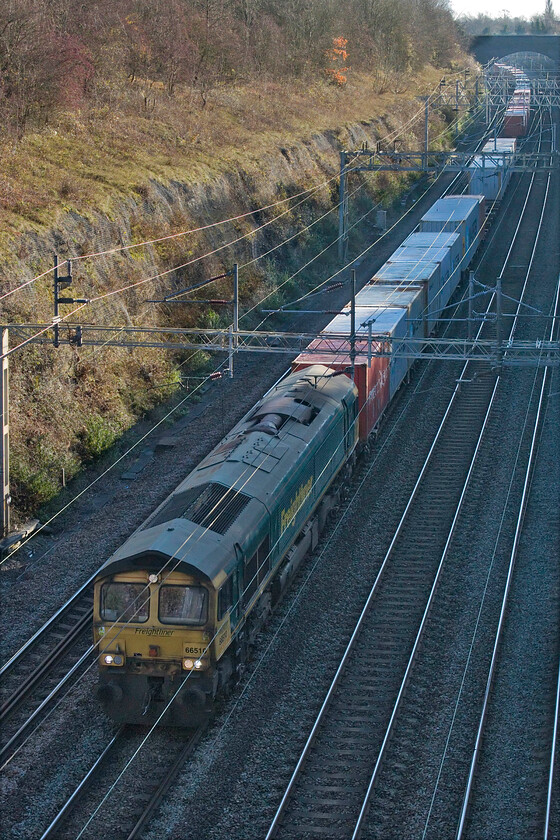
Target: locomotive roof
[(196, 528), (183, 546)]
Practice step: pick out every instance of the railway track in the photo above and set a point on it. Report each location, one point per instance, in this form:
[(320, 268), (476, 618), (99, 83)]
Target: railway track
[(503, 752), (37, 675), (330, 791), (410, 592), (425, 768), (164, 756)]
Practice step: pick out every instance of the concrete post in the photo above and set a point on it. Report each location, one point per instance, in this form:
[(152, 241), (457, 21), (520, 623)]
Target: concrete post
[(426, 129), (353, 323), (235, 301), (499, 320), (230, 351)]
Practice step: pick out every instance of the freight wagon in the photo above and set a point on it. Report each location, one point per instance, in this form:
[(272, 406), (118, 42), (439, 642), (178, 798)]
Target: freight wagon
[(489, 175), (425, 274), (462, 214)]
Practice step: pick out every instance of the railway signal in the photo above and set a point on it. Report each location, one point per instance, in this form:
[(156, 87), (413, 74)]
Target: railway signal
[(63, 283)]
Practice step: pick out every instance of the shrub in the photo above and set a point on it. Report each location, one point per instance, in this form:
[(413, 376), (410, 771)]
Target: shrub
[(97, 436)]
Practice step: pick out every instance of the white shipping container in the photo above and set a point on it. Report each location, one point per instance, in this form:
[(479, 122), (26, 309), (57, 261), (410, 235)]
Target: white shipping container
[(488, 176), (439, 255), (410, 298), (500, 144), (441, 238)]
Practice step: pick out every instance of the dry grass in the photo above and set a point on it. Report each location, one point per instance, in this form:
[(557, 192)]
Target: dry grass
[(91, 159)]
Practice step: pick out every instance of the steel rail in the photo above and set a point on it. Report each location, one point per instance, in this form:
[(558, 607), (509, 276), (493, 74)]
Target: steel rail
[(336, 679), (28, 644), (365, 806), (483, 714), (365, 610), (555, 728), (45, 665), (549, 793), (166, 782), (152, 802), (518, 531), (48, 833), (46, 626), (24, 729)]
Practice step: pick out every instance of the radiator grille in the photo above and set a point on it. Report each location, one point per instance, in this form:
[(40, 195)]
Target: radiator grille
[(216, 507), (210, 505)]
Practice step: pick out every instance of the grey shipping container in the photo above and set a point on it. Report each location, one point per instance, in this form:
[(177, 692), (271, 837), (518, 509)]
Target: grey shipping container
[(428, 275), (439, 255), (463, 214), (409, 297), (441, 238)]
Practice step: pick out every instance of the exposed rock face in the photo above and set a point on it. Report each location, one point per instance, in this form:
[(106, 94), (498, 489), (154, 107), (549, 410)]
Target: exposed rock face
[(69, 404)]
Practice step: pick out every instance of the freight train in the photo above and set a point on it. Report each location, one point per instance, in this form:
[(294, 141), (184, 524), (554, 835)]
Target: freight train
[(517, 112), (178, 606), (489, 173)]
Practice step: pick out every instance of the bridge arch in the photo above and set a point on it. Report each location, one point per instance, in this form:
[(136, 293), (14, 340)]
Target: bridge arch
[(487, 47)]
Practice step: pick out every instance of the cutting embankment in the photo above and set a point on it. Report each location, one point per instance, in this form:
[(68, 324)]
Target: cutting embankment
[(117, 179)]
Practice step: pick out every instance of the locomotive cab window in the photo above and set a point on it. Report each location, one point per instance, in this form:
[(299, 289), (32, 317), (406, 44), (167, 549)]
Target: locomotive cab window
[(125, 602), (183, 605)]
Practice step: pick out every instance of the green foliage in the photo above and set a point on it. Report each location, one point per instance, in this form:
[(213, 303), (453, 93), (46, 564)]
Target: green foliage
[(37, 474), (97, 436)]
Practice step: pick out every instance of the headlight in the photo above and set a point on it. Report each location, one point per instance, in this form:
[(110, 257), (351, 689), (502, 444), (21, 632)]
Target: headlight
[(113, 659), (194, 664)]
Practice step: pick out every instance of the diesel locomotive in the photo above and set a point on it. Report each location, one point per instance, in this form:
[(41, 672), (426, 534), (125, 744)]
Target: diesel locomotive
[(178, 606)]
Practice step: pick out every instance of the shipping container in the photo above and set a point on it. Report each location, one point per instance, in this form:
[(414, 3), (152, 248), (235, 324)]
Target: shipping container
[(371, 377), (500, 144), (463, 214), (489, 175), (515, 123), (408, 297), (441, 239), (376, 378), (437, 255), (428, 275)]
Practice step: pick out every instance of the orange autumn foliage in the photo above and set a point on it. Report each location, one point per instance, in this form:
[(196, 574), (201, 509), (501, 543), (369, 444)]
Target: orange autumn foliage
[(336, 54)]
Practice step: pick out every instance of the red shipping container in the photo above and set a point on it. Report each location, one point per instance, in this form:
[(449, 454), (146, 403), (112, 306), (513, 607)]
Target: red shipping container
[(514, 125), (372, 382)]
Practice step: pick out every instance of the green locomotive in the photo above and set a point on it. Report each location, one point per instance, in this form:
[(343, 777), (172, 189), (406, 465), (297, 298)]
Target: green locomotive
[(178, 606)]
